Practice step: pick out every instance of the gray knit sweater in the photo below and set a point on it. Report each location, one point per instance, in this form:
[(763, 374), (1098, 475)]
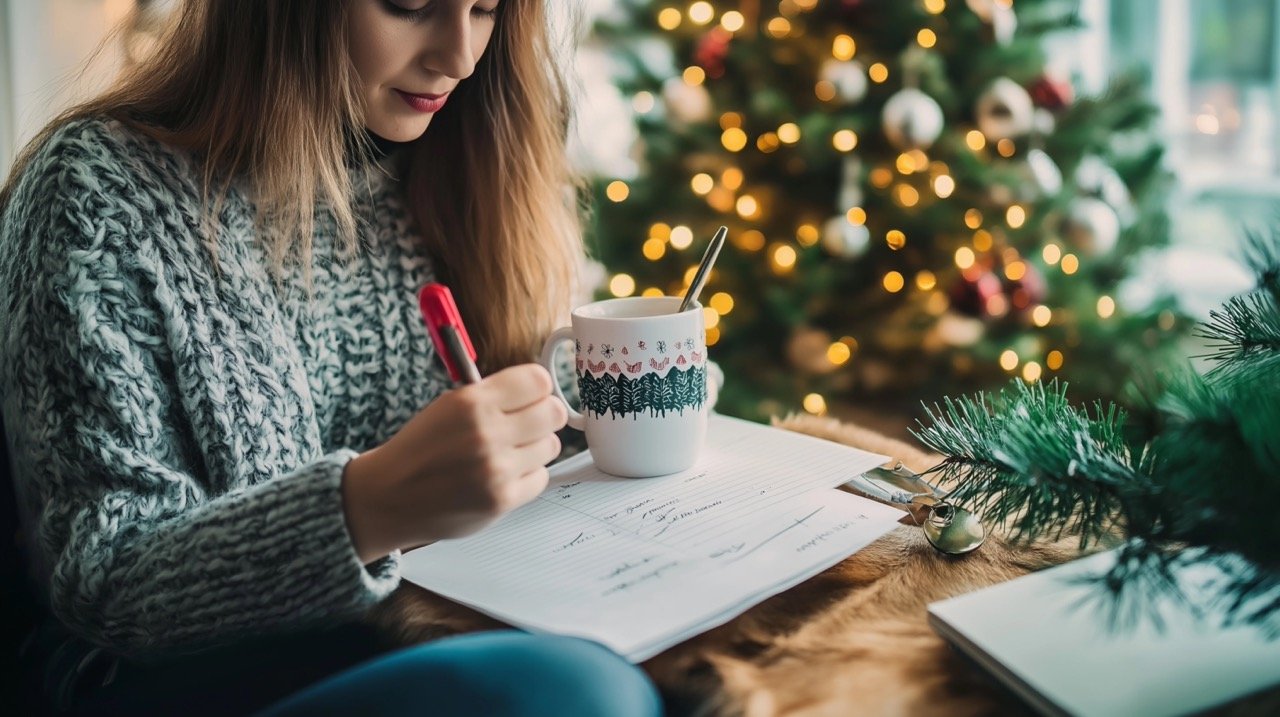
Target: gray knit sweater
[(178, 435)]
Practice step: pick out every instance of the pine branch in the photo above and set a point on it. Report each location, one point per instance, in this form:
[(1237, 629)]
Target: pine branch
[(1249, 326), (1029, 460), (1049, 24), (1141, 571), (1217, 455), (1244, 326), (1239, 593), (1262, 254)]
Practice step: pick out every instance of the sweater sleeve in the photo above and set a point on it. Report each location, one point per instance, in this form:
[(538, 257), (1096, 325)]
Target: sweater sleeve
[(138, 547)]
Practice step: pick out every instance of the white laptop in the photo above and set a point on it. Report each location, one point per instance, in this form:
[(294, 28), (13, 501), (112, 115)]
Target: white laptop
[(1045, 636)]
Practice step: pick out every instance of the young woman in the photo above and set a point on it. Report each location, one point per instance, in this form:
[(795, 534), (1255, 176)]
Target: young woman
[(223, 408)]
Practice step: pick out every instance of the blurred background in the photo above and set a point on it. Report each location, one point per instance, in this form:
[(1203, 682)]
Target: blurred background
[(924, 197)]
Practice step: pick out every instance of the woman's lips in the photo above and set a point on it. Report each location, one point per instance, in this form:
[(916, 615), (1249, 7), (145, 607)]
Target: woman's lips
[(426, 104)]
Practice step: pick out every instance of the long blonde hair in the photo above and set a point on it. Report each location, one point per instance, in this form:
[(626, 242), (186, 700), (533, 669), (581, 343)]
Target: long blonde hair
[(265, 90)]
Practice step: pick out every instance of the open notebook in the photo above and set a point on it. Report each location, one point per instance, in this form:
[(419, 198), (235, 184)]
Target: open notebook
[(1046, 637), (643, 564)]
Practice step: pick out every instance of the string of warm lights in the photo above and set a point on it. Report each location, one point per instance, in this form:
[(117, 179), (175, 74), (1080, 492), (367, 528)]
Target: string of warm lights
[(911, 181)]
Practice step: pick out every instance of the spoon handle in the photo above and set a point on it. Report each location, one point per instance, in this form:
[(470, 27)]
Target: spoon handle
[(904, 479), (704, 268), (862, 484)]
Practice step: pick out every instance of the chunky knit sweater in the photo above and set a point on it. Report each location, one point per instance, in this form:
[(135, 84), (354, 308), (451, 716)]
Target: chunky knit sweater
[(179, 434)]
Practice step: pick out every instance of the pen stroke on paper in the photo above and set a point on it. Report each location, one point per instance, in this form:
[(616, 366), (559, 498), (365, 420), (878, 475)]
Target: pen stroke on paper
[(756, 508), (741, 475), (591, 523), (794, 524)]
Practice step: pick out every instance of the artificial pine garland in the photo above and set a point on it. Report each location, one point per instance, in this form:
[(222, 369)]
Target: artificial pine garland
[(1190, 475)]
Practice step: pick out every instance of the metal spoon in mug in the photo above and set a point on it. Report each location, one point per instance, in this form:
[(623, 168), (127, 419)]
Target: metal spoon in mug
[(704, 268), (949, 528)]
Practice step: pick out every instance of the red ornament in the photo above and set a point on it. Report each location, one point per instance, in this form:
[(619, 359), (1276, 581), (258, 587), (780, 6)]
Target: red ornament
[(1052, 93), (711, 51), (973, 293), (1027, 291)]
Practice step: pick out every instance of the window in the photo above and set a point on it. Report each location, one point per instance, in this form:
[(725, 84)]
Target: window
[(1213, 72)]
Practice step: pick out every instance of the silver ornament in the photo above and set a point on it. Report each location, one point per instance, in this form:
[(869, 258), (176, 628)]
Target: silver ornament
[(1043, 121), (850, 194), (1094, 176), (1091, 226), (999, 16), (845, 240), (984, 9), (912, 119), (1004, 23), (1004, 111), (1043, 173), (849, 78), (686, 102)]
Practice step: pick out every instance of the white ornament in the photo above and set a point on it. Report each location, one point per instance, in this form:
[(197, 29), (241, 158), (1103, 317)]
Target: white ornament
[(1044, 122), (843, 239), (1043, 173), (1004, 111), (850, 194), (1091, 226), (1004, 23), (999, 16), (1094, 176), (593, 277), (984, 9), (954, 329), (849, 78), (912, 119), (1001, 193), (686, 102)]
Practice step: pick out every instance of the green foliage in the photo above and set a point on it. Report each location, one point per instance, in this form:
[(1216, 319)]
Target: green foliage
[(1032, 461), (1193, 482), (1246, 326)]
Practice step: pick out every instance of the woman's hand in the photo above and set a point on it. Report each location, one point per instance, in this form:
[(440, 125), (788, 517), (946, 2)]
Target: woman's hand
[(471, 455)]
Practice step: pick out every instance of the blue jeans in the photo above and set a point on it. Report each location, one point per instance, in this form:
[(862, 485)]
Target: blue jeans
[(495, 673), (351, 669)]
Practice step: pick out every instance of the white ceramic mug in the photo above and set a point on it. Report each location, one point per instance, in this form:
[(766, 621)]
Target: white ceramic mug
[(642, 377)]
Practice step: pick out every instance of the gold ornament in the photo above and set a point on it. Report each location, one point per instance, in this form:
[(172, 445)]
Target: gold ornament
[(807, 350)]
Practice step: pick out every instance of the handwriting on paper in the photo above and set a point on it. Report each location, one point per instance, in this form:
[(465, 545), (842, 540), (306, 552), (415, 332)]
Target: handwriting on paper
[(637, 563)]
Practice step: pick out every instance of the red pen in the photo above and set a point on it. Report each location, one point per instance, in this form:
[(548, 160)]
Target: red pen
[(448, 333)]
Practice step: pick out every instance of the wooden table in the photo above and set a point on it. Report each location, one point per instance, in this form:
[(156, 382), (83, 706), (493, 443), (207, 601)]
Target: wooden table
[(852, 640)]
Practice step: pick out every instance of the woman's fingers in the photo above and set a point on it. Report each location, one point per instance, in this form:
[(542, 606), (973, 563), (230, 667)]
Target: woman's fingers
[(535, 421), (527, 487), (517, 387), (536, 454)]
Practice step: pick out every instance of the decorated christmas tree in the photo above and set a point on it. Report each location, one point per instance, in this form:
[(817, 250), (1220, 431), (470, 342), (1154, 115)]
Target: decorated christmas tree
[(916, 204)]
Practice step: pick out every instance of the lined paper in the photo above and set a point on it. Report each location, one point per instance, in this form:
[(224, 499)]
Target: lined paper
[(641, 564)]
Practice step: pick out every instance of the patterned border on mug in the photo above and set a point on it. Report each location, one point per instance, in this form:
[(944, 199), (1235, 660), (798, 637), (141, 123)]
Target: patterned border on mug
[(640, 358)]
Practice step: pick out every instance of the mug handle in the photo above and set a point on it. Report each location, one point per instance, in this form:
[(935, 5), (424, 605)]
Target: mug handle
[(576, 419)]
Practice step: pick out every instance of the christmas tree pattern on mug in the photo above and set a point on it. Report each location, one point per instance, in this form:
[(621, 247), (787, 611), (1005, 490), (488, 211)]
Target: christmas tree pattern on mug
[(624, 387), (621, 396)]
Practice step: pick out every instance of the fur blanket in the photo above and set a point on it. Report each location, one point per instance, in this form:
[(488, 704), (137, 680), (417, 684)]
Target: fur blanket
[(853, 639)]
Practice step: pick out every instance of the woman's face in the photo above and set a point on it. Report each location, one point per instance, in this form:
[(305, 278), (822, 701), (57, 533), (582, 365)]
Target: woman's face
[(409, 54)]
